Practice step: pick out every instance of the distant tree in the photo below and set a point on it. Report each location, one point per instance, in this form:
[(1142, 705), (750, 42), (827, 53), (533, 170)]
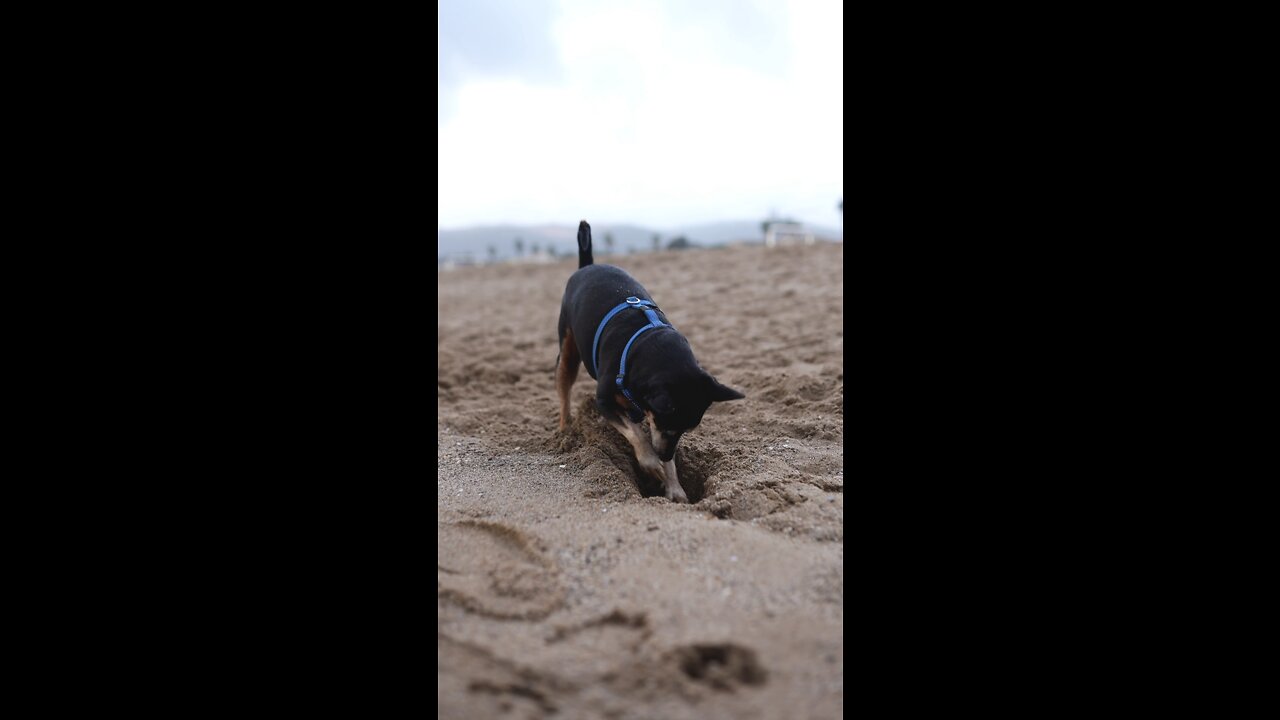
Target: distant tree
[(519, 247), (657, 242), (608, 242), (533, 249), (680, 243), (493, 253)]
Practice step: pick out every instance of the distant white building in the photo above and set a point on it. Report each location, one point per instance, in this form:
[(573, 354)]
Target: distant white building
[(776, 231)]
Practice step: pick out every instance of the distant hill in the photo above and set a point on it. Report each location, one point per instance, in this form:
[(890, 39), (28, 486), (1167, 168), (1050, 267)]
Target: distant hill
[(475, 241)]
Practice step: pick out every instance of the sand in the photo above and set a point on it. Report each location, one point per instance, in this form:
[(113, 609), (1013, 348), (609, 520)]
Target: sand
[(568, 587)]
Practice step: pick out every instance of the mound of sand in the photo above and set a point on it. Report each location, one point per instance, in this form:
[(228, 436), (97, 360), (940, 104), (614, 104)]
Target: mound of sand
[(568, 586)]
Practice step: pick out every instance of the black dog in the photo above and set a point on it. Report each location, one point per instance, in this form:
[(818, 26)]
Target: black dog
[(642, 366)]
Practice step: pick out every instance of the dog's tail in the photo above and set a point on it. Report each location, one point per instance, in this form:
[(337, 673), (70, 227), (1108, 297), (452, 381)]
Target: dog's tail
[(584, 244)]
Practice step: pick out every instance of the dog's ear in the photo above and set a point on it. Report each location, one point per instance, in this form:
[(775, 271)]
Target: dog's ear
[(721, 393), (661, 403)]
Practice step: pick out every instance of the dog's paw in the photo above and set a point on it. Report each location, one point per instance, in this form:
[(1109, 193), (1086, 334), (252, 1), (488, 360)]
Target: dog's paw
[(655, 470), (676, 494)]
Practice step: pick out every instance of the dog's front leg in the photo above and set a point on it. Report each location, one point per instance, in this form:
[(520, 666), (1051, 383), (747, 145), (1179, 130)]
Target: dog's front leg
[(645, 454), (647, 457), (673, 489)]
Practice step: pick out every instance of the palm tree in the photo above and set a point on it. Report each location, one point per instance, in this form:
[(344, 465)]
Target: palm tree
[(519, 247), (493, 253), (608, 242), (657, 242)]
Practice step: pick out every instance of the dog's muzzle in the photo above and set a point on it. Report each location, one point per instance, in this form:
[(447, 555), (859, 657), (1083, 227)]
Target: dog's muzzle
[(665, 445)]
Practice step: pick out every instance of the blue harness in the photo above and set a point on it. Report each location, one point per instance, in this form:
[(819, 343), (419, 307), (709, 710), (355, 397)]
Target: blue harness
[(634, 411)]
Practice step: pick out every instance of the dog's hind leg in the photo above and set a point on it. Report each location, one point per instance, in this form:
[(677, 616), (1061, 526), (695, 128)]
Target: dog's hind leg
[(566, 373)]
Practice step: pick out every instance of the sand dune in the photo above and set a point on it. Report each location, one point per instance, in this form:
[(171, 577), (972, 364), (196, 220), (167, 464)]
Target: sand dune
[(568, 587)]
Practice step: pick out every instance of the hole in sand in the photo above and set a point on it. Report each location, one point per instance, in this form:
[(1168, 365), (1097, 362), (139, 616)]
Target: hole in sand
[(694, 465), (722, 666), (695, 462)]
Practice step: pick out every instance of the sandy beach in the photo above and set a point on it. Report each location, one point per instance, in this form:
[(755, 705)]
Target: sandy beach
[(568, 587)]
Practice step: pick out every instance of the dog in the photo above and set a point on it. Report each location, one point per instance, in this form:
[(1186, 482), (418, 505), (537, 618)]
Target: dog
[(643, 367)]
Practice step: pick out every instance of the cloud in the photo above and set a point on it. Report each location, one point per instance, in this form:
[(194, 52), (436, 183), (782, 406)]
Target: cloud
[(658, 112), (493, 39)]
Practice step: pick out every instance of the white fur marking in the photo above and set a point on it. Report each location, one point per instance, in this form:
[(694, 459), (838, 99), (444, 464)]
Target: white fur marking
[(674, 491), (645, 454), (648, 458)]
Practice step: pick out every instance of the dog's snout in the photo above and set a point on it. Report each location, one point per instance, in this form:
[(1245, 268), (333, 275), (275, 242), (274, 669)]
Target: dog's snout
[(665, 445)]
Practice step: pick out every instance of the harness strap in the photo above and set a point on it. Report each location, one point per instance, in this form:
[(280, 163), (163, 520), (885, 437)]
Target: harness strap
[(633, 411), (632, 301)]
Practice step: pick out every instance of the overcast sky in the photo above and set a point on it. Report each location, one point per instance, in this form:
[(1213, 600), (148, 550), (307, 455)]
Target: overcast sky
[(655, 112)]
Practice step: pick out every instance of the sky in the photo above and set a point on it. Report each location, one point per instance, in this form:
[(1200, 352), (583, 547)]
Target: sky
[(656, 112)]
